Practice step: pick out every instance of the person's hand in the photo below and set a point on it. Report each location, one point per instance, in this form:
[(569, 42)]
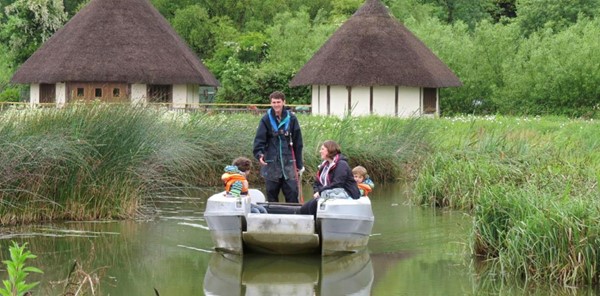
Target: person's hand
[(261, 159), (301, 171), (316, 195)]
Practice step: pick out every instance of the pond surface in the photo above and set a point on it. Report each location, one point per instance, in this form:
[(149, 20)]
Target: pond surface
[(412, 251)]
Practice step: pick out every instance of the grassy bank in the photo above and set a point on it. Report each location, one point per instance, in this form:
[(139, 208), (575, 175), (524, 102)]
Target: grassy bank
[(531, 185), (104, 162)]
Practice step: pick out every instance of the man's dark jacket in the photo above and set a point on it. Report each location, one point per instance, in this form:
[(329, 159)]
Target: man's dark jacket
[(276, 148)]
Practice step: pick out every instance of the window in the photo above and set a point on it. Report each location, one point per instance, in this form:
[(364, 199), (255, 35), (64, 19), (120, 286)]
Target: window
[(80, 91), (98, 93), (116, 92), (159, 93)]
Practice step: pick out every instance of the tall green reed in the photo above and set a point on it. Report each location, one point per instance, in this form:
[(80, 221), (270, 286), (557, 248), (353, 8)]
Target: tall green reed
[(88, 162), (532, 188), (220, 139), (391, 149), (387, 147), (104, 162), (470, 156), (538, 236)]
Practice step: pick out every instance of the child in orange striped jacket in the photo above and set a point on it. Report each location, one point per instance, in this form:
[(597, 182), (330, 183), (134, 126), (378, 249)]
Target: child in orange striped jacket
[(365, 184), (236, 183)]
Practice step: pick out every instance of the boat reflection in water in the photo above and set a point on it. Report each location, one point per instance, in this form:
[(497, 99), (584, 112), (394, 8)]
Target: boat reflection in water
[(254, 274)]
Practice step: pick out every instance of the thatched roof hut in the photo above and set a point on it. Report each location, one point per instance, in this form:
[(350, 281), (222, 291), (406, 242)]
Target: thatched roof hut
[(115, 41), (373, 48)]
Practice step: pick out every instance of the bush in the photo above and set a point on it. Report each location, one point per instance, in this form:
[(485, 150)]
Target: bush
[(10, 94)]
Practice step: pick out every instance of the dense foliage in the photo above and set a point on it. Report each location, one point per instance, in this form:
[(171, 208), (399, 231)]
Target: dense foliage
[(513, 56)]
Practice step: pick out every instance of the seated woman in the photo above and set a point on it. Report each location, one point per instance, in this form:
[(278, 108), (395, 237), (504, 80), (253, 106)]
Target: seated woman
[(334, 178)]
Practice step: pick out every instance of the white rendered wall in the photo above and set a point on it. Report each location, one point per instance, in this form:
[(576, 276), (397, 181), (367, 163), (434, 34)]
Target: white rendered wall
[(179, 95), (409, 102), (338, 102), (34, 94), (138, 94), (185, 95), (318, 100), (361, 100), (61, 94), (384, 100)]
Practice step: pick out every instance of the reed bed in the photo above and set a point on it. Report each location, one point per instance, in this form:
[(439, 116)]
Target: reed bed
[(538, 236), (532, 188), (88, 162), (389, 148), (477, 153)]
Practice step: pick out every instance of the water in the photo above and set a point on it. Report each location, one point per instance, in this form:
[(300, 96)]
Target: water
[(413, 251)]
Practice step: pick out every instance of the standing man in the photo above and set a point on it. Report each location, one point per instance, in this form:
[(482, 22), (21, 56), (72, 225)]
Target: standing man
[(278, 148)]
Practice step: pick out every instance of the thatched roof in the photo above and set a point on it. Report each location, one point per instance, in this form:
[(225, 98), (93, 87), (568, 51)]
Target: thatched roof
[(372, 48), (115, 41)]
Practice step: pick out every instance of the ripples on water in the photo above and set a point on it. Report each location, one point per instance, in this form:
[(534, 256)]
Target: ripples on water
[(412, 251)]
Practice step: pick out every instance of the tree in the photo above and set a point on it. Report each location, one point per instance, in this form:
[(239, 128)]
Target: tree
[(505, 9), (252, 47), (555, 73), (256, 15), (3, 4), (533, 15), (73, 6), (468, 11), (294, 38), (404, 10), (28, 24), (168, 7), (7, 92), (225, 39), (194, 25), (346, 7), (238, 83)]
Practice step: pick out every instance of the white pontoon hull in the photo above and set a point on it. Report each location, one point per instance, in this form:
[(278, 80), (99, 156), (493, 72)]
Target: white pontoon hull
[(341, 226), (345, 225)]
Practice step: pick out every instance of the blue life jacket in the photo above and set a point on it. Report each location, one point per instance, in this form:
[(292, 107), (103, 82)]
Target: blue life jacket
[(285, 123)]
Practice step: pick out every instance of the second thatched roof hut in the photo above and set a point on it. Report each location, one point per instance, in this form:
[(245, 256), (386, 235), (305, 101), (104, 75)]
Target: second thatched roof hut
[(374, 65)]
